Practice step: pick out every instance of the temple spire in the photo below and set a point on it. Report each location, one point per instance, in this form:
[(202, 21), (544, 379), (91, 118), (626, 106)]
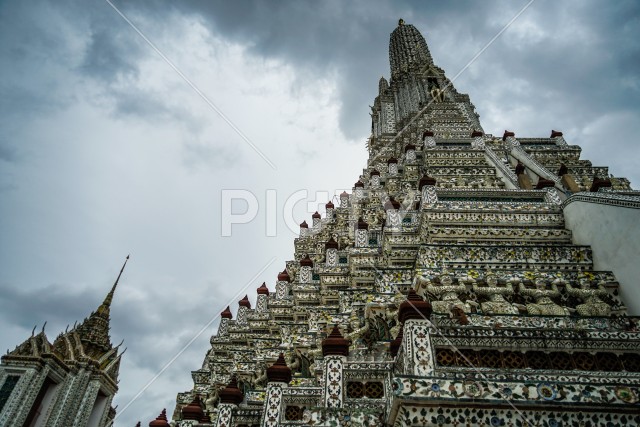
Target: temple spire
[(106, 304), (94, 330), (408, 50)]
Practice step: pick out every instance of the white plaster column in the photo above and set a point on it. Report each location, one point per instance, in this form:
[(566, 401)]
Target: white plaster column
[(225, 415), (333, 381), (272, 405), (419, 358), (344, 199)]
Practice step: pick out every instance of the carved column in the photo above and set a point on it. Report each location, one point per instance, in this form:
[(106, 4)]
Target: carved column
[(230, 398), (362, 234), (306, 270), (283, 285), (279, 376), (243, 309), (331, 253), (335, 349)]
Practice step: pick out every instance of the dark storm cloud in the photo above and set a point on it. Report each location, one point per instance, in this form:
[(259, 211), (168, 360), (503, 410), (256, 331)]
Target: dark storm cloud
[(108, 57), (590, 74), (322, 38), (53, 304)]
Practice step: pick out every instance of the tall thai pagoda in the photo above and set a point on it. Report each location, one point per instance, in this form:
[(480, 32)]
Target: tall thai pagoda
[(68, 383), (455, 285)]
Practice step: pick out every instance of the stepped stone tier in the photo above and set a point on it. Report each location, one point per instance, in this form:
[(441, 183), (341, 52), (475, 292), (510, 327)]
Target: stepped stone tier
[(70, 382), (444, 290)]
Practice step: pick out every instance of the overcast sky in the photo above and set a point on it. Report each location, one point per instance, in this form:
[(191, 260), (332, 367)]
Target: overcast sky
[(105, 150)]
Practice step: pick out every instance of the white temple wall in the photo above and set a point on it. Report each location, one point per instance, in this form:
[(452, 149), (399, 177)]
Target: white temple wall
[(613, 232)]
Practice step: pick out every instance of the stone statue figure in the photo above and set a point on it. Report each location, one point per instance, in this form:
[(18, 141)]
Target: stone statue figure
[(496, 304), (447, 293), (437, 94), (357, 329), (544, 305), (592, 304)]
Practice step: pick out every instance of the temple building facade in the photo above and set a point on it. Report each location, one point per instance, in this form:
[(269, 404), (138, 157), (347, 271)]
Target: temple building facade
[(448, 288), (68, 383)]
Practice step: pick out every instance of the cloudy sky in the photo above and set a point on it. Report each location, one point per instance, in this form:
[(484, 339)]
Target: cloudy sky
[(106, 149)]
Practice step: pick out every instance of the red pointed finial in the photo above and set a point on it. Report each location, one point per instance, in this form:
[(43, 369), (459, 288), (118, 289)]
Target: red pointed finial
[(331, 244), (284, 276), (244, 302), (279, 371), (161, 420), (231, 393), (226, 314), (335, 344), (263, 290), (362, 224), (414, 307), (193, 411)]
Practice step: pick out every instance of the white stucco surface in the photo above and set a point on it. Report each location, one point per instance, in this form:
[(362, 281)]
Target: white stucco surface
[(613, 232)]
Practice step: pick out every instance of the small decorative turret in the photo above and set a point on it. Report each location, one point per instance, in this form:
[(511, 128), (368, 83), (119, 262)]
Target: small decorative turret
[(392, 207), (410, 153), (414, 307), (226, 314), (306, 267), (428, 139), (362, 233), (426, 180), (331, 244), (315, 218), (344, 199), (358, 190), (283, 276), (374, 178), (392, 164), (263, 290), (231, 393), (304, 228), (477, 140), (331, 248), (559, 138), (306, 261), (244, 302), (335, 344), (283, 285), (279, 372), (193, 411), (161, 420), (330, 210)]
